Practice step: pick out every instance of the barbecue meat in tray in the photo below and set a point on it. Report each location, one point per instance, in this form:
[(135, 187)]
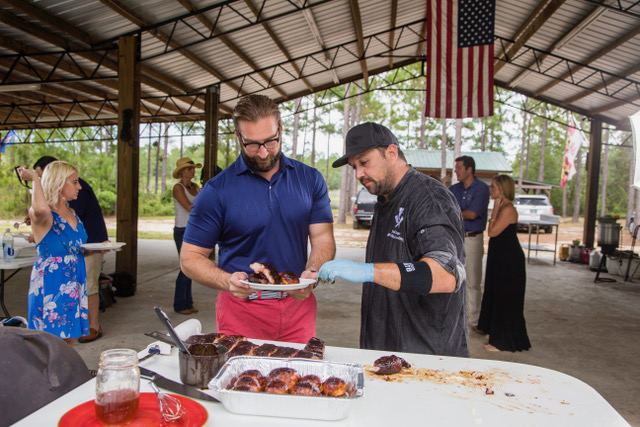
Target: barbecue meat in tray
[(284, 387)]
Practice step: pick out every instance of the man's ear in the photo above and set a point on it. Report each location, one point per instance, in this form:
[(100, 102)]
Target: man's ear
[(392, 152)]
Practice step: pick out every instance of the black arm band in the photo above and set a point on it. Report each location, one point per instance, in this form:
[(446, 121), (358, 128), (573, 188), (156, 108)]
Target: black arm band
[(415, 277)]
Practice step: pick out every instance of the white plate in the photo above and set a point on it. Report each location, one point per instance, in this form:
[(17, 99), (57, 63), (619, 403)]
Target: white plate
[(268, 287), (103, 246)]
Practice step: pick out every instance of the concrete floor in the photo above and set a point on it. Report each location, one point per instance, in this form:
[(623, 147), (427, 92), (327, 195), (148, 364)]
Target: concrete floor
[(584, 329)]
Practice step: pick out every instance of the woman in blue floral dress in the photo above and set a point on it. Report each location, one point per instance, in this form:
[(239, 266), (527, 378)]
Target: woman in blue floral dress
[(58, 288)]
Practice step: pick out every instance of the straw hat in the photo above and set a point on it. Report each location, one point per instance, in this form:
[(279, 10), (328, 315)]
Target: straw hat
[(183, 163)]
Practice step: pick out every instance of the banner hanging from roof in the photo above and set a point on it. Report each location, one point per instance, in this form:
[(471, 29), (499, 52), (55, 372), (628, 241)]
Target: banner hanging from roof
[(575, 139), (460, 38), (8, 139)]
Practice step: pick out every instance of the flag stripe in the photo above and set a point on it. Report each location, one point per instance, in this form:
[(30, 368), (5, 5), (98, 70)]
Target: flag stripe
[(459, 60)]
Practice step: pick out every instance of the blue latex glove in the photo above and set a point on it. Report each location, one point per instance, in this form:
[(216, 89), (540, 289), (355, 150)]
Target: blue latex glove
[(347, 270)]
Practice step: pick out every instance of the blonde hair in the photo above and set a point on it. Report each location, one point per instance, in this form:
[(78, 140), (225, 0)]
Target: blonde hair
[(506, 186), (54, 177)]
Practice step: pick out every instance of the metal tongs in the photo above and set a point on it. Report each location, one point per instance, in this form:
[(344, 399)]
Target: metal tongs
[(170, 407)]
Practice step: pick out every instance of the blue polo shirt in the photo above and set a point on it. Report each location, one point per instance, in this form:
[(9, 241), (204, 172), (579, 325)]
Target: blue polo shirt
[(474, 198), (255, 220), (88, 210)]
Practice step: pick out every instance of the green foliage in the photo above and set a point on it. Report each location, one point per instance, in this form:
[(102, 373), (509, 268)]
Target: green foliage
[(107, 200)]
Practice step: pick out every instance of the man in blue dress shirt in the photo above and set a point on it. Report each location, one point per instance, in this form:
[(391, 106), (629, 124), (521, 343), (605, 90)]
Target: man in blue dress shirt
[(473, 197)]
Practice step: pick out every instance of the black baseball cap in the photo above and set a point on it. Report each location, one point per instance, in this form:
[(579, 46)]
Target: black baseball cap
[(364, 137)]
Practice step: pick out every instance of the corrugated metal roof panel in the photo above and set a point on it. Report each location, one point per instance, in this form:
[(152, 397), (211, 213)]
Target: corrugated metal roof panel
[(485, 160)]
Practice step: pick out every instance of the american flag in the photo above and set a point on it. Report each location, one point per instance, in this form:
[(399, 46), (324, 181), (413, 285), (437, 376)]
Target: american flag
[(460, 58)]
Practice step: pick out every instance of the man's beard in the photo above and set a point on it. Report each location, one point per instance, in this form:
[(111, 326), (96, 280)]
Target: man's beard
[(384, 186), (262, 165)]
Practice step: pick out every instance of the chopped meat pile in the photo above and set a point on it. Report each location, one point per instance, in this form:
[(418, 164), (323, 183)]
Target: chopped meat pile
[(267, 274), (388, 365), (289, 381), (238, 345)]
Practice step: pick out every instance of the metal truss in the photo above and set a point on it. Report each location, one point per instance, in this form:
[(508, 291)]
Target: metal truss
[(545, 62), (27, 68), (248, 20), (631, 8), (326, 58)]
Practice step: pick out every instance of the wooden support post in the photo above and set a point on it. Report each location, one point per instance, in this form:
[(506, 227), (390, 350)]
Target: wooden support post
[(593, 175), (212, 99), (128, 154)]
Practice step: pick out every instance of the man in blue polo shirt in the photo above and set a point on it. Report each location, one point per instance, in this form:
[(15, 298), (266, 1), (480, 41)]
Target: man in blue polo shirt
[(263, 208), (473, 197)]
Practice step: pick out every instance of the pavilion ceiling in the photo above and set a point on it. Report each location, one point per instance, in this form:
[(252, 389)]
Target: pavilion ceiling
[(58, 59)]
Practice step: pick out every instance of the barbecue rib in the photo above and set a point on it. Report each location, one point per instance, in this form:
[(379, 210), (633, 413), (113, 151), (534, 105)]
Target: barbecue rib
[(265, 273), (268, 270), (243, 348), (230, 341), (285, 352), (265, 350), (388, 365), (316, 347)]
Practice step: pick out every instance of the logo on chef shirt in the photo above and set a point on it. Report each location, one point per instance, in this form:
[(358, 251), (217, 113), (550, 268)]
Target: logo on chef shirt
[(395, 233)]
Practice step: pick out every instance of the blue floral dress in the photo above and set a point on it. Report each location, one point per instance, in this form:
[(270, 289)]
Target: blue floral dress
[(58, 289)]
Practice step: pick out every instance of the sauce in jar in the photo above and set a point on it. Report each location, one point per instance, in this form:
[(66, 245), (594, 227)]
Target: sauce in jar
[(117, 387), (117, 407)]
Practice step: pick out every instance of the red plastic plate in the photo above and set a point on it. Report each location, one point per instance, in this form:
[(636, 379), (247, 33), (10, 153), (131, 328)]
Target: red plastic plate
[(84, 415)]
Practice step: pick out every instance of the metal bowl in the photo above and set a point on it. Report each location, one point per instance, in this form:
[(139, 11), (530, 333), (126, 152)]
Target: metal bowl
[(204, 362)]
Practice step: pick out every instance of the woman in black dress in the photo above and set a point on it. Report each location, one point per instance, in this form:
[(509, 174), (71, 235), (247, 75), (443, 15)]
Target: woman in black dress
[(502, 312)]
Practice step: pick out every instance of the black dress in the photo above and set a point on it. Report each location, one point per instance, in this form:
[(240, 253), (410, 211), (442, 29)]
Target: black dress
[(502, 312)]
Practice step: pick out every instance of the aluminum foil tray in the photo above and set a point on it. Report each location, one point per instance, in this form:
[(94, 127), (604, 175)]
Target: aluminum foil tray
[(289, 406)]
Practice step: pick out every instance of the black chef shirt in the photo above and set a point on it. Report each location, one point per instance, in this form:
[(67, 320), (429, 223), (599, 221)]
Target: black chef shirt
[(419, 218)]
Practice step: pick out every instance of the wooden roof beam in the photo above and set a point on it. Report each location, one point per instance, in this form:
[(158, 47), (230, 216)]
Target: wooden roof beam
[(533, 23), (313, 26), (613, 105), (149, 76), (232, 47), (127, 13), (581, 26), (392, 34), (605, 50), (53, 21), (357, 27)]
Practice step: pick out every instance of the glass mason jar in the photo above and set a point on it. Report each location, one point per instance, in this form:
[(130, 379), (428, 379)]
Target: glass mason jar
[(117, 387)]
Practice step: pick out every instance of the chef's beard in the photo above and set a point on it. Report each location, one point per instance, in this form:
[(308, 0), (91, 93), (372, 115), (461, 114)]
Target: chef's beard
[(262, 165), (382, 187)]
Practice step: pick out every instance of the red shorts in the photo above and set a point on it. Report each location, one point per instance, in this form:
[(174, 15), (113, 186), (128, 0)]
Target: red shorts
[(274, 320)]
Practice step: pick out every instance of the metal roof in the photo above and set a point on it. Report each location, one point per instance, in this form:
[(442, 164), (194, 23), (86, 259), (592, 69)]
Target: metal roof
[(578, 54), (486, 161)]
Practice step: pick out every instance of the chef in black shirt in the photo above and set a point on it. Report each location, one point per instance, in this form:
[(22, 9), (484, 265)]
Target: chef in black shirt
[(413, 297)]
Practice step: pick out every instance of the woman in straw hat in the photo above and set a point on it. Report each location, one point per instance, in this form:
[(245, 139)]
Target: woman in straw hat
[(184, 193)]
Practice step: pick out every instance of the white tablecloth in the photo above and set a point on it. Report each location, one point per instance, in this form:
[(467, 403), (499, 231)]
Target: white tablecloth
[(523, 395)]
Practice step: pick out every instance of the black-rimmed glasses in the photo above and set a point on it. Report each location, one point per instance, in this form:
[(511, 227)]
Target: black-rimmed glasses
[(254, 147)]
